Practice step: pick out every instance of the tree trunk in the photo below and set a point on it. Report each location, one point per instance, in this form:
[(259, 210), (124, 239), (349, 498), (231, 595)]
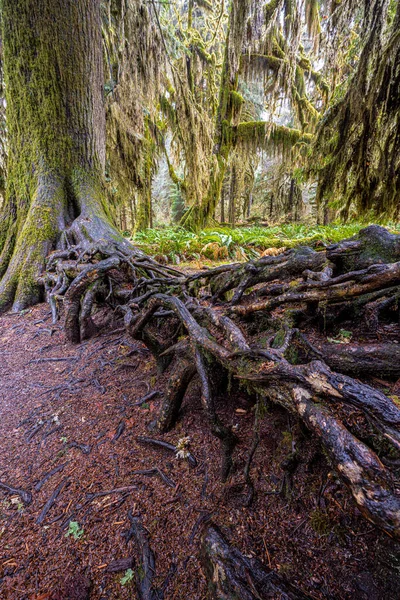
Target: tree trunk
[(56, 125), (232, 197), (228, 113), (144, 217)]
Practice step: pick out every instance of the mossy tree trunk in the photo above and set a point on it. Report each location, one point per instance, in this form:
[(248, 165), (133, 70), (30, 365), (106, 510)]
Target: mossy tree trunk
[(228, 115), (56, 126), (144, 216)]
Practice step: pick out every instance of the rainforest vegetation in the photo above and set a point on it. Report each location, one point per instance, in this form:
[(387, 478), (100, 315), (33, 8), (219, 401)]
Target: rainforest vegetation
[(220, 181)]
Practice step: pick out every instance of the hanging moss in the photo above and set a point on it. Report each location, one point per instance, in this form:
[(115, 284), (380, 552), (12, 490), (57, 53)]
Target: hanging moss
[(270, 8), (262, 134), (356, 155)]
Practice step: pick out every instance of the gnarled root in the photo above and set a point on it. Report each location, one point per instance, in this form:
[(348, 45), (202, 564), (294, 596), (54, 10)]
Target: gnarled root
[(201, 340), (301, 390), (230, 574)]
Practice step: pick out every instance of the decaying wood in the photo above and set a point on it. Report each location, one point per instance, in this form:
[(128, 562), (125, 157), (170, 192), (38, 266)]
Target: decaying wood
[(122, 564), (146, 569)]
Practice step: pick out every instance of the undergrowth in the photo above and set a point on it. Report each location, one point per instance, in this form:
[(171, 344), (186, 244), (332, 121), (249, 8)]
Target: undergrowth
[(175, 244)]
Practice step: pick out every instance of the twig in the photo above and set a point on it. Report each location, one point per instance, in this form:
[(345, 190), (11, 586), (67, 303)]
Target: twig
[(51, 501), (26, 497)]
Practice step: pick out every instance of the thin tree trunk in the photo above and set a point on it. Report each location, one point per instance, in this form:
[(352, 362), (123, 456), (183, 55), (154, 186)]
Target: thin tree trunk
[(223, 205), (232, 197)]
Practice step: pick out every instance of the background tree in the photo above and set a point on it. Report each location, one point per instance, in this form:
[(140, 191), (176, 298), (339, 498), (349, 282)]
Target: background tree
[(357, 151)]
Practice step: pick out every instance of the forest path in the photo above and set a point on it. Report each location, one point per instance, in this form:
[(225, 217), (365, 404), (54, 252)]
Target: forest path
[(70, 411)]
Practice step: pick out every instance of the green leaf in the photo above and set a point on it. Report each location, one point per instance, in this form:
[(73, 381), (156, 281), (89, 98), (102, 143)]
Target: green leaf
[(127, 578), (75, 530)]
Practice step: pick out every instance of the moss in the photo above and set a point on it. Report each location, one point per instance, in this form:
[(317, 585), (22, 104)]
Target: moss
[(203, 54), (37, 120), (144, 218), (270, 8), (320, 522), (279, 339), (237, 100), (263, 135)]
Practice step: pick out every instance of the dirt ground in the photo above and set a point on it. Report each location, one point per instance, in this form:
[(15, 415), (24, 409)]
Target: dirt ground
[(70, 411)]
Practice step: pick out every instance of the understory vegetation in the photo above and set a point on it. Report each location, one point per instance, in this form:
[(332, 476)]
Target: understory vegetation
[(174, 245)]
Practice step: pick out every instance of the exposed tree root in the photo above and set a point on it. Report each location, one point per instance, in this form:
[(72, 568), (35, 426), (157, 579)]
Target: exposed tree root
[(230, 574), (146, 570), (356, 360), (248, 325), (25, 496)]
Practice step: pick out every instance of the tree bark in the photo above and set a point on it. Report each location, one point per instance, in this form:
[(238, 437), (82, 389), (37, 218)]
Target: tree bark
[(56, 126)]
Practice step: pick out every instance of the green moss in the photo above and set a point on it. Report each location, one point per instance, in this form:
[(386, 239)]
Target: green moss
[(279, 339), (37, 120), (144, 218), (264, 135), (320, 522), (46, 86), (270, 8), (237, 101)]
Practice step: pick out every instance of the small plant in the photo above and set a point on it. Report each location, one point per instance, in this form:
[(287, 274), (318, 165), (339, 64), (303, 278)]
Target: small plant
[(64, 439), (182, 446), (127, 578), (75, 530), (343, 337)]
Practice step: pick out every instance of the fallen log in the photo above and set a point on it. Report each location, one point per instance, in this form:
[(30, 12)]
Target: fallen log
[(372, 245), (146, 569)]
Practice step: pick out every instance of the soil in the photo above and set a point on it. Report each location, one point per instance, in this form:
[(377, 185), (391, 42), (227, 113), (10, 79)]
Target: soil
[(73, 407)]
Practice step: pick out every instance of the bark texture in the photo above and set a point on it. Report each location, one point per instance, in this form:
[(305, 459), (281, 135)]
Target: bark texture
[(56, 127)]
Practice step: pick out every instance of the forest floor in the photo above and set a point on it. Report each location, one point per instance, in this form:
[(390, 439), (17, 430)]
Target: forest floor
[(72, 408)]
